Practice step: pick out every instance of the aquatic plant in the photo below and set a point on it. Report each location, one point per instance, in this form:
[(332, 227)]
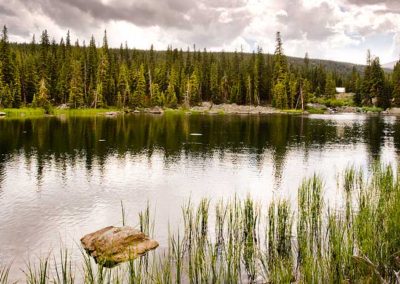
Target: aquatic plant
[(244, 241)]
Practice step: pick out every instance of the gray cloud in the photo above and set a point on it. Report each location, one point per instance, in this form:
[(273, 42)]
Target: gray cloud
[(374, 2), (314, 22), (392, 6), (192, 21), (207, 23), (6, 12)]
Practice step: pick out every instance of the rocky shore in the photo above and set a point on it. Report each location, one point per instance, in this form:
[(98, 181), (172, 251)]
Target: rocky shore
[(207, 107)]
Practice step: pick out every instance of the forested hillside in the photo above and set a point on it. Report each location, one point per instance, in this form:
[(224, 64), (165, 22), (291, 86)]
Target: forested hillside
[(47, 73)]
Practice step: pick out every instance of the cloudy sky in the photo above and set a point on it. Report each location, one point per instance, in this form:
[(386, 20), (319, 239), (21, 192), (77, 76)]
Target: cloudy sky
[(329, 29)]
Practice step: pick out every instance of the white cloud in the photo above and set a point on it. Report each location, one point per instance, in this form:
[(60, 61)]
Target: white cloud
[(330, 29)]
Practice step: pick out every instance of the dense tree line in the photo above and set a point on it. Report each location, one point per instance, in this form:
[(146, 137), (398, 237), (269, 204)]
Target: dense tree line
[(47, 73)]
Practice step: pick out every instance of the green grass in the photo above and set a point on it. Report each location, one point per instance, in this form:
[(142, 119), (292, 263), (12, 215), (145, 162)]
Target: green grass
[(244, 241), (40, 112), (292, 111), (315, 110), (83, 112), (371, 109), (308, 110), (23, 112), (334, 102)]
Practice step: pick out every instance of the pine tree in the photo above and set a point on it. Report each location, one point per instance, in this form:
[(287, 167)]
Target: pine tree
[(6, 98), (102, 77), (256, 82), (378, 84), (279, 90), (367, 82), (123, 85), (98, 98), (249, 91), (357, 92), (224, 88), (44, 49), (293, 87), (306, 91), (171, 100), (280, 61), (92, 65), (396, 84), (104, 73), (63, 83), (41, 99), (157, 98), (171, 92), (5, 58), (214, 83), (194, 88), (31, 80), (280, 96), (330, 86), (260, 82), (76, 96), (17, 97), (139, 95)]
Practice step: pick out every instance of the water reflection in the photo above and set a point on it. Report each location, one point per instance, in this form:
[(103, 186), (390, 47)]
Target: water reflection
[(63, 141), (66, 177)]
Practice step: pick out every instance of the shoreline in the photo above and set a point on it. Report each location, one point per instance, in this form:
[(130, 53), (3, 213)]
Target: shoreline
[(205, 108)]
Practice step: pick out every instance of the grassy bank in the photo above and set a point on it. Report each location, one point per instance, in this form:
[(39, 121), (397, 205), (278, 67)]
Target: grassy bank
[(40, 112), (245, 241)]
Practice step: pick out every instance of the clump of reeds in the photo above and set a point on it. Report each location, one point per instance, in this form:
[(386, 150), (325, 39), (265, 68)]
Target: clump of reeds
[(4, 272), (358, 242), (38, 274)]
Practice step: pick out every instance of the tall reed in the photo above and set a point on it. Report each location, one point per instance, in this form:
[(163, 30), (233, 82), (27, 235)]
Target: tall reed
[(247, 242)]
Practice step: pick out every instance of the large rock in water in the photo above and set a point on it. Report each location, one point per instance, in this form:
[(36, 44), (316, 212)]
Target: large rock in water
[(112, 245)]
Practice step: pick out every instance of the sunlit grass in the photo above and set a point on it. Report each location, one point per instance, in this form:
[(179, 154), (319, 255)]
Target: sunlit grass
[(371, 109), (83, 111), (40, 112), (292, 111), (23, 112)]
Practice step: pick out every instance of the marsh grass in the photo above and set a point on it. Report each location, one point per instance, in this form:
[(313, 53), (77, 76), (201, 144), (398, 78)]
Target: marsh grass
[(83, 112), (38, 273), (371, 109), (24, 112), (28, 112), (4, 272), (240, 241)]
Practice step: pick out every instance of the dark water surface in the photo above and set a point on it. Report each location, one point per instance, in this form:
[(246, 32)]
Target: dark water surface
[(61, 178)]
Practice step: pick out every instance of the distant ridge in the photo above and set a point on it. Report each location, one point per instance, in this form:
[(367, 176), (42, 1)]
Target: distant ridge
[(389, 65)]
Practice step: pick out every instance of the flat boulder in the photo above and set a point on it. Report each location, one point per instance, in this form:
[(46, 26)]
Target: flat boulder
[(2, 113), (113, 245), (111, 113), (395, 111), (156, 110)]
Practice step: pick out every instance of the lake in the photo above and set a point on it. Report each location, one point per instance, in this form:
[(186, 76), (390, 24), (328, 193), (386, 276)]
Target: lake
[(63, 177)]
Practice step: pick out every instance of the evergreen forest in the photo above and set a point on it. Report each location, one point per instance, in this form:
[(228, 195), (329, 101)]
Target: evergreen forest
[(46, 73)]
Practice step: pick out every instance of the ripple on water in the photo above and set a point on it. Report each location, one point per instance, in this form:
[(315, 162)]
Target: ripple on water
[(59, 182)]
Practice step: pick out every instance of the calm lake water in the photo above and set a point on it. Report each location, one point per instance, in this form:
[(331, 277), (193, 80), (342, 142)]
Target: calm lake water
[(61, 178)]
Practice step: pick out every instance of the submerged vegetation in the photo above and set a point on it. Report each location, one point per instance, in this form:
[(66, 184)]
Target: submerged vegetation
[(231, 241)]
